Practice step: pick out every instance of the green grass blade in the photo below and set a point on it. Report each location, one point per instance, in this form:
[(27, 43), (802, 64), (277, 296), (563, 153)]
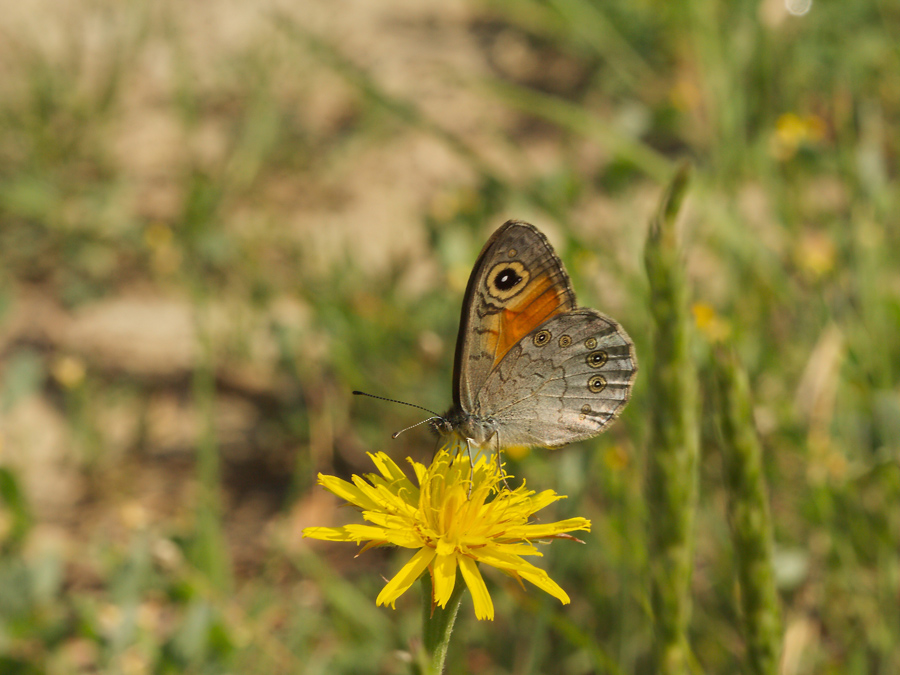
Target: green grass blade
[(673, 438), (748, 511)]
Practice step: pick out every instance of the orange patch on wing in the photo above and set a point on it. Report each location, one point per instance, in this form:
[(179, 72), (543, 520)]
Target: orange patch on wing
[(541, 302)]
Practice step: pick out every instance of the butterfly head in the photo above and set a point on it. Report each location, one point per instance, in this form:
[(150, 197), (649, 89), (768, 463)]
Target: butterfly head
[(442, 425), (478, 430)]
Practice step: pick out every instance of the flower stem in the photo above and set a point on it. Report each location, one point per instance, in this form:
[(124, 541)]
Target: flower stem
[(437, 624)]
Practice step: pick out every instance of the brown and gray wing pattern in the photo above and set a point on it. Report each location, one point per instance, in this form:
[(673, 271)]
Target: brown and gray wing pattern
[(564, 382), (517, 284)]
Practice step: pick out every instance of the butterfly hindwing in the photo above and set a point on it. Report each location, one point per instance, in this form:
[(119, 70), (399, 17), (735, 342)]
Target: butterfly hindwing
[(564, 382)]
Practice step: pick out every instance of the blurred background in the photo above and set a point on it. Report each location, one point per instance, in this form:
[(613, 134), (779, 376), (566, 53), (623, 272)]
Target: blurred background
[(219, 218)]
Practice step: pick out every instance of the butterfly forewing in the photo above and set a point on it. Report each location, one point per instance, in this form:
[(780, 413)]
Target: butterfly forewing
[(518, 283)]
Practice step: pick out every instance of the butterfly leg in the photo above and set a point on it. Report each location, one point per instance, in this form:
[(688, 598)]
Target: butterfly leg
[(500, 463), (471, 467)]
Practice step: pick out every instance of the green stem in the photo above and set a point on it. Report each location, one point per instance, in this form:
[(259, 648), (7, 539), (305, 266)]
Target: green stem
[(437, 624), (748, 511), (673, 438), (211, 548)]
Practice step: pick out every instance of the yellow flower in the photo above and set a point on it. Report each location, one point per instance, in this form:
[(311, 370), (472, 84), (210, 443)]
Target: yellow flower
[(451, 524), (69, 371), (816, 254), (793, 132), (714, 327)]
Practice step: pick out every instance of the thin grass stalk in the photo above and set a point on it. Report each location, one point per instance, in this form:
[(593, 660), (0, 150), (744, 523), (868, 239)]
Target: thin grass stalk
[(212, 555), (749, 517), (673, 435)]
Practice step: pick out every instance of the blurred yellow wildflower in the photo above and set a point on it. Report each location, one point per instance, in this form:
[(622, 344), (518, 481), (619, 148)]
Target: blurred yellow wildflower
[(456, 518), (815, 254), (166, 256), (616, 459), (517, 451), (69, 371), (158, 235), (710, 323), (793, 132), (685, 94)]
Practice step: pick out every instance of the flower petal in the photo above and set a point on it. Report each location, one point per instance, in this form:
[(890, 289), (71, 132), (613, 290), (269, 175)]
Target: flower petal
[(541, 530), (518, 567), (393, 479), (420, 470), (405, 521), (542, 580), (359, 533), (512, 548), (405, 577), (444, 578), (544, 499), (403, 538), (380, 494), (484, 606), (347, 492), (328, 533), (387, 466)]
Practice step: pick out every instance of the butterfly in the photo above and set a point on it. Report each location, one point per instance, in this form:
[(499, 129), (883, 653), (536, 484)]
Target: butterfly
[(531, 367)]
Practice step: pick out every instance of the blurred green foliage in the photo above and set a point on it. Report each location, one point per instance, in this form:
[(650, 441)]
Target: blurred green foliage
[(144, 155)]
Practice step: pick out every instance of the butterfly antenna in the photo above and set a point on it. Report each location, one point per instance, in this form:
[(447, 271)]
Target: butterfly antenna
[(397, 433), (393, 400), (435, 416)]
